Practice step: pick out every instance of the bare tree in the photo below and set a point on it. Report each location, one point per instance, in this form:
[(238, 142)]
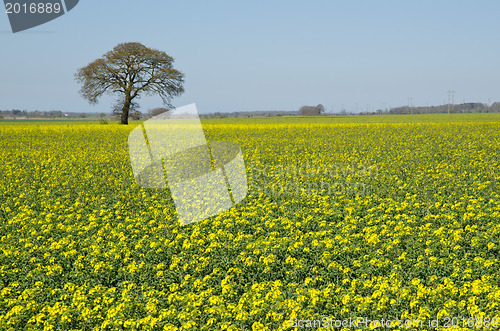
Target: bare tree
[(157, 111), (311, 110), (131, 69), (118, 107)]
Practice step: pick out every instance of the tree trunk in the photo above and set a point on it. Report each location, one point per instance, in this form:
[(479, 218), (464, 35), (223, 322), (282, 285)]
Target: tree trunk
[(126, 109)]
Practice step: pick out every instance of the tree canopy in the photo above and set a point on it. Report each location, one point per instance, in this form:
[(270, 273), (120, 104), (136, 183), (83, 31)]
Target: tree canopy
[(311, 110), (131, 69)]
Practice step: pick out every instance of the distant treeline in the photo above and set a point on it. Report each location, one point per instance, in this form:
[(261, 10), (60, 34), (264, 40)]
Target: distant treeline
[(257, 113), (319, 110), (17, 113), (470, 107)]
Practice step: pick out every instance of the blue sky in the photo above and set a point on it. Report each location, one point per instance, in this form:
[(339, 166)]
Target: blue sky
[(267, 55)]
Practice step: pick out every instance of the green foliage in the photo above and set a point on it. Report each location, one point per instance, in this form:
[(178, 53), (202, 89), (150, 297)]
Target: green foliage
[(83, 247)]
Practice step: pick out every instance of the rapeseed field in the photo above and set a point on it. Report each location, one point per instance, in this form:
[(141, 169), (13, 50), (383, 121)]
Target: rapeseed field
[(393, 219)]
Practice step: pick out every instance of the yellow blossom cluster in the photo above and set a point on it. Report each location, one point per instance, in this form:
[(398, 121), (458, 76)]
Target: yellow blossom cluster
[(83, 247)]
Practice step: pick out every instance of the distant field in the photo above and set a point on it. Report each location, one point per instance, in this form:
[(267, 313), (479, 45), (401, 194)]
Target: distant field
[(426, 118), (394, 217)]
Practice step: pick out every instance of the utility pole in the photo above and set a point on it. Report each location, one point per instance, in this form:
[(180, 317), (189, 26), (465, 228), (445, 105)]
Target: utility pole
[(449, 94), (451, 100)]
